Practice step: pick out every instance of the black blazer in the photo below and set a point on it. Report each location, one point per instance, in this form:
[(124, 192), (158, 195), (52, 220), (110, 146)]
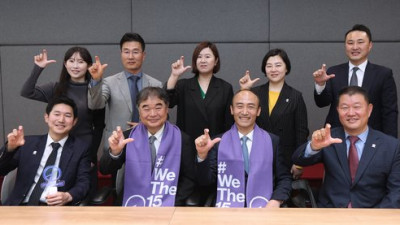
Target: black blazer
[(381, 87), (206, 171), (194, 114), (74, 164), (377, 181), (186, 181), (288, 119)]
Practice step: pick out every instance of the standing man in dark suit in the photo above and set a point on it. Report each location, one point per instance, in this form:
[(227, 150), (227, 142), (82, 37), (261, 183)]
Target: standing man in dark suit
[(375, 79), (48, 175), (362, 165), (158, 157), (246, 167)]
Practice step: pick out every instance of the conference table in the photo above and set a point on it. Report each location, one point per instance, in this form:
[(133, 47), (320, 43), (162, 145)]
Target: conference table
[(193, 215)]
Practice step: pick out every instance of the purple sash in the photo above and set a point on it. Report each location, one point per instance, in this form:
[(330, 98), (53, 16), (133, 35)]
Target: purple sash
[(142, 187), (231, 174)]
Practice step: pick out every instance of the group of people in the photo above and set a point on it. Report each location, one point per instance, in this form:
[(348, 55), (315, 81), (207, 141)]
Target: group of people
[(243, 149)]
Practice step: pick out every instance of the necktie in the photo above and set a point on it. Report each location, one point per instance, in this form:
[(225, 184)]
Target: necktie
[(153, 150), (37, 191), (353, 156), (245, 152), (353, 79), (134, 91)]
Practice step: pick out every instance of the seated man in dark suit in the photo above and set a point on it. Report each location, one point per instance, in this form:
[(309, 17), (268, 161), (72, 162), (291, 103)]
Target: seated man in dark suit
[(158, 157), (246, 165), (53, 169), (362, 165)]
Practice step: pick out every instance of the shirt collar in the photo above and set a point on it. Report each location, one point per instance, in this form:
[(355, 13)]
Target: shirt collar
[(61, 142), (158, 134), (361, 67), (363, 136), (128, 75), (249, 135)]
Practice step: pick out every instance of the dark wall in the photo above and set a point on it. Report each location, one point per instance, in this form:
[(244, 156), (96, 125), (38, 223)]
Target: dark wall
[(311, 31)]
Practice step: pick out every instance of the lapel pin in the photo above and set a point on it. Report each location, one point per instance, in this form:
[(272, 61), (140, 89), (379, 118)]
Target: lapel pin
[(373, 145), (34, 152), (287, 100)]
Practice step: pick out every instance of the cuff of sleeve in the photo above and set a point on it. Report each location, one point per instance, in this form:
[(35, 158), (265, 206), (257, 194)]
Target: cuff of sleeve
[(319, 89), (199, 160), (114, 156), (94, 83), (309, 152)]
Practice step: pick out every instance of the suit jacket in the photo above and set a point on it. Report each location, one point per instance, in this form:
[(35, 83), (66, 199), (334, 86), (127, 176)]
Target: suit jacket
[(74, 164), (288, 119), (113, 92), (381, 87), (194, 113), (377, 180), (186, 180), (206, 171)]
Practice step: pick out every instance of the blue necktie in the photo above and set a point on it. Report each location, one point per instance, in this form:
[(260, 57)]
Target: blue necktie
[(134, 91), (245, 154)]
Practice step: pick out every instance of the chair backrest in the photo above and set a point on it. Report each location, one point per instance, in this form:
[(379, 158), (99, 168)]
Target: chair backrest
[(120, 180), (119, 185), (302, 195), (8, 185)]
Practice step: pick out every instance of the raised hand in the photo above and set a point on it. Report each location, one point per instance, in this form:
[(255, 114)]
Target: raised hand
[(117, 141), (15, 139), (204, 144), (320, 76), (97, 69), (322, 138), (246, 82), (177, 69), (41, 59)]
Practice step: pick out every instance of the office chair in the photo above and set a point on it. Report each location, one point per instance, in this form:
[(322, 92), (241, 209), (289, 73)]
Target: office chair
[(8, 185), (115, 192), (302, 195)]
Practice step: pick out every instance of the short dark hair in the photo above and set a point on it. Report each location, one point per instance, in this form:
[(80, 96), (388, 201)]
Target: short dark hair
[(128, 37), (352, 90), (247, 90), (275, 52), (62, 100), (360, 27), (158, 92), (196, 52)]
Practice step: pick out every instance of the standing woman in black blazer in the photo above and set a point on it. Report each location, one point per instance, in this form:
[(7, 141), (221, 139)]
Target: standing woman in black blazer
[(204, 100), (283, 111)]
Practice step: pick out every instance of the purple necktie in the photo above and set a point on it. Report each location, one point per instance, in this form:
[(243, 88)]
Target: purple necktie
[(353, 157)]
